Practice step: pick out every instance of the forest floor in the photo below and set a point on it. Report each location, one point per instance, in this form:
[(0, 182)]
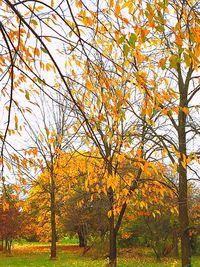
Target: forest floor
[(37, 255)]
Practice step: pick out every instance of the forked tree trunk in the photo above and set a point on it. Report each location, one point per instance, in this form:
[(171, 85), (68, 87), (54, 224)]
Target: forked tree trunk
[(115, 226)]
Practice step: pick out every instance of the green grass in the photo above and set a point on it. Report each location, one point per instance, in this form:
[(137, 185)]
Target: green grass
[(70, 241), (42, 260), (23, 257)]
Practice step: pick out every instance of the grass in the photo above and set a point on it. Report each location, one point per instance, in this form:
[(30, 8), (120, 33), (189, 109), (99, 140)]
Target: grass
[(69, 241), (38, 256), (42, 260)]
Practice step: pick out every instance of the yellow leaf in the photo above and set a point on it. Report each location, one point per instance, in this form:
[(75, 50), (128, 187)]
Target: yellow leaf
[(142, 204), (121, 158), (119, 93), (34, 22), (127, 4), (109, 213), (48, 66), (183, 164), (39, 8), (188, 160), (27, 95), (41, 137), (16, 122), (48, 38), (52, 3)]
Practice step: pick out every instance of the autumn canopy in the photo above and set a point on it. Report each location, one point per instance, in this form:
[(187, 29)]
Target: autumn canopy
[(101, 98)]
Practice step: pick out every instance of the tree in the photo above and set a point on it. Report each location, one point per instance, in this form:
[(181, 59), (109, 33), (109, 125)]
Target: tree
[(84, 59), (39, 210), (87, 220), (156, 227), (48, 138), (175, 100), (146, 49), (11, 218)]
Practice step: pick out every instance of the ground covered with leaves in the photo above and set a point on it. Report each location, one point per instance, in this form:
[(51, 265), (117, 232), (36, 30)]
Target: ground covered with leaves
[(71, 255)]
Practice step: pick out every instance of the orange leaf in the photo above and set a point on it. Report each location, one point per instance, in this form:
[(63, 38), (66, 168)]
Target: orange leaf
[(88, 84), (185, 110), (111, 3), (125, 20), (117, 9), (179, 40), (37, 52)]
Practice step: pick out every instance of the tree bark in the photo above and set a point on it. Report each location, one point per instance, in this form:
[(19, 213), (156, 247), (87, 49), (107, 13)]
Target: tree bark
[(113, 243), (53, 220), (183, 218), (112, 232), (81, 240), (183, 187), (82, 237), (114, 228)]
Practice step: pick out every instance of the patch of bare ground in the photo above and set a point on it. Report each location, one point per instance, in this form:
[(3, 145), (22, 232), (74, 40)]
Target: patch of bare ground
[(135, 253)]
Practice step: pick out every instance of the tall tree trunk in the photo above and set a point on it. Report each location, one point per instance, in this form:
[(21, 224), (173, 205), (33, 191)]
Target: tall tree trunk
[(183, 187), (112, 243), (112, 232), (53, 219), (183, 218)]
